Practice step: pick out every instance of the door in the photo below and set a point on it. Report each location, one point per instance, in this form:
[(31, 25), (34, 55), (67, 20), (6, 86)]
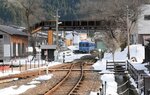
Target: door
[(1, 47)]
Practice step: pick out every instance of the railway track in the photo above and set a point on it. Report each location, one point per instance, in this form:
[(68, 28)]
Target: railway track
[(67, 86), (78, 78), (27, 74)]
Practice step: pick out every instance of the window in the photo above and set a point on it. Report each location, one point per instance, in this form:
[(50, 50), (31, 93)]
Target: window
[(23, 48), (14, 49), (1, 36), (19, 49), (87, 45), (146, 17)]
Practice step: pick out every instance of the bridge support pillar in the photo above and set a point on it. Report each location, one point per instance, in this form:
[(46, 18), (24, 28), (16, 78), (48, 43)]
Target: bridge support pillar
[(50, 37)]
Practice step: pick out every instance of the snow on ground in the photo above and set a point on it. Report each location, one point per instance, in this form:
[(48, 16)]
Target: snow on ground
[(6, 73), (44, 77), (107, 77), (136, 51), (14, 90), (111, 85)]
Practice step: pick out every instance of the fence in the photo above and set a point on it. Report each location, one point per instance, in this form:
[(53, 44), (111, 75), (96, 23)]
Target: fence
[(138, 76), (21, 65), (116, 66)]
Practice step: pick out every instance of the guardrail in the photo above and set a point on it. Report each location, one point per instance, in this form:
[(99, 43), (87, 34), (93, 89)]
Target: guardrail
[(132, 71), (138, 76), (116, 66)]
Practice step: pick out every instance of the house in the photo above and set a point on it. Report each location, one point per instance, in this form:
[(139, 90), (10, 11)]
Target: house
[(13, 43), (142, 31)]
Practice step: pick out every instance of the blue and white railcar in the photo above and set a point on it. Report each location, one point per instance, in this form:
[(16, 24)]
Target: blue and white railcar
[(86, 47)]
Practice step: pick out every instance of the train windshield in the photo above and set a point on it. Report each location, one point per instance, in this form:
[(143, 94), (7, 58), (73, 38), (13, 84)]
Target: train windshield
[(84, 44), (87, 44)]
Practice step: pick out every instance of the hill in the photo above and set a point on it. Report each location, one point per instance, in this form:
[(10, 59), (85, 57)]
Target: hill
[(12, 13)]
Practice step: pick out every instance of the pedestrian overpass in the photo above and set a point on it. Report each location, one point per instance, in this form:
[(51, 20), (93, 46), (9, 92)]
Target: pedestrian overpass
[(50, 27)]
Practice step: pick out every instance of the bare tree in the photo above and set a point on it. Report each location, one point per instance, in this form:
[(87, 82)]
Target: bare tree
[(32, 12), (117, 13)]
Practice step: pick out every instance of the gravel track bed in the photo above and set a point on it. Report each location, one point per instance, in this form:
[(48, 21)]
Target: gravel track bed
[(91, 82), (68, 84), (46, 85), (16, 82)]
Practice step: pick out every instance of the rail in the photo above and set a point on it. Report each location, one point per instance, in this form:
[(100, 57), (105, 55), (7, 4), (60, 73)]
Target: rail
[(31, 73), (81, 76), (57, 85)]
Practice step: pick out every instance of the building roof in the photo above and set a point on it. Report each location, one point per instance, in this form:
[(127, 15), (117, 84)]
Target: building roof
[(11, 30), (48, 47)]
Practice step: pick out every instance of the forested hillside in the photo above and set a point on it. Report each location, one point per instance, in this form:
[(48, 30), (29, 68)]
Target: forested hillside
[(15, 12), (12, 13)]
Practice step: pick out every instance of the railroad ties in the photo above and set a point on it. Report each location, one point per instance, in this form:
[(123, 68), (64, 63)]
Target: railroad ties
[(75, 83), (72, 81)]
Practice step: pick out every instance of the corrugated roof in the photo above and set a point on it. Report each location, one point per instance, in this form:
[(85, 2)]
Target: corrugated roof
[(11, 30)]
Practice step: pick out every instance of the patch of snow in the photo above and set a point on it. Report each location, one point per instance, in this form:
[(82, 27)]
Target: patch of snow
[(111, 85), (75, 47), (44, 77), (107, 77), (34, 82), (139, 66), (132, 81), (93, 93), (8, 72), (14, 90), (30, 49), (136, 51)]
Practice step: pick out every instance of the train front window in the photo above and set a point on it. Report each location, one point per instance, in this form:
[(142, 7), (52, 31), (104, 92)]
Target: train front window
[(80, 44), (86, 45)]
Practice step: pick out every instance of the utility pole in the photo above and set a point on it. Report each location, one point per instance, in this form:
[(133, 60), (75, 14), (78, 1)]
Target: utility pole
[(57, 18), (128, 33)]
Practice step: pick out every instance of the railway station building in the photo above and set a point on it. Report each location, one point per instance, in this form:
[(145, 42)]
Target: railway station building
[(13, 43)]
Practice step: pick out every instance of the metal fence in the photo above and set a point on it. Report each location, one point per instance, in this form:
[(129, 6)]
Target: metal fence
[(21, 65)]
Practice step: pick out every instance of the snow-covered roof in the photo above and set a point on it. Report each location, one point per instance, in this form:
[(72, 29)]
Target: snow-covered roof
[(48, 47)]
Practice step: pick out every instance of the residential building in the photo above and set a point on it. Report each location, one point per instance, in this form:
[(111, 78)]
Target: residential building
[(13, 43)]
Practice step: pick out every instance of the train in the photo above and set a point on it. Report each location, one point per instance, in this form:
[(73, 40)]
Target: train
[(86, 47)]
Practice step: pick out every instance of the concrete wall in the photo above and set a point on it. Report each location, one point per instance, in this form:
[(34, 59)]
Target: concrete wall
[(144, 24), (5, 46)]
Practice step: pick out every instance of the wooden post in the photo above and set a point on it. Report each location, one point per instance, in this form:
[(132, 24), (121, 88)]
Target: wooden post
[(39, 71), (34, 63), (106, 64), (25, 65), (30, 64), (105, 87), (12, 66), (19, 65), (50, 37)]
